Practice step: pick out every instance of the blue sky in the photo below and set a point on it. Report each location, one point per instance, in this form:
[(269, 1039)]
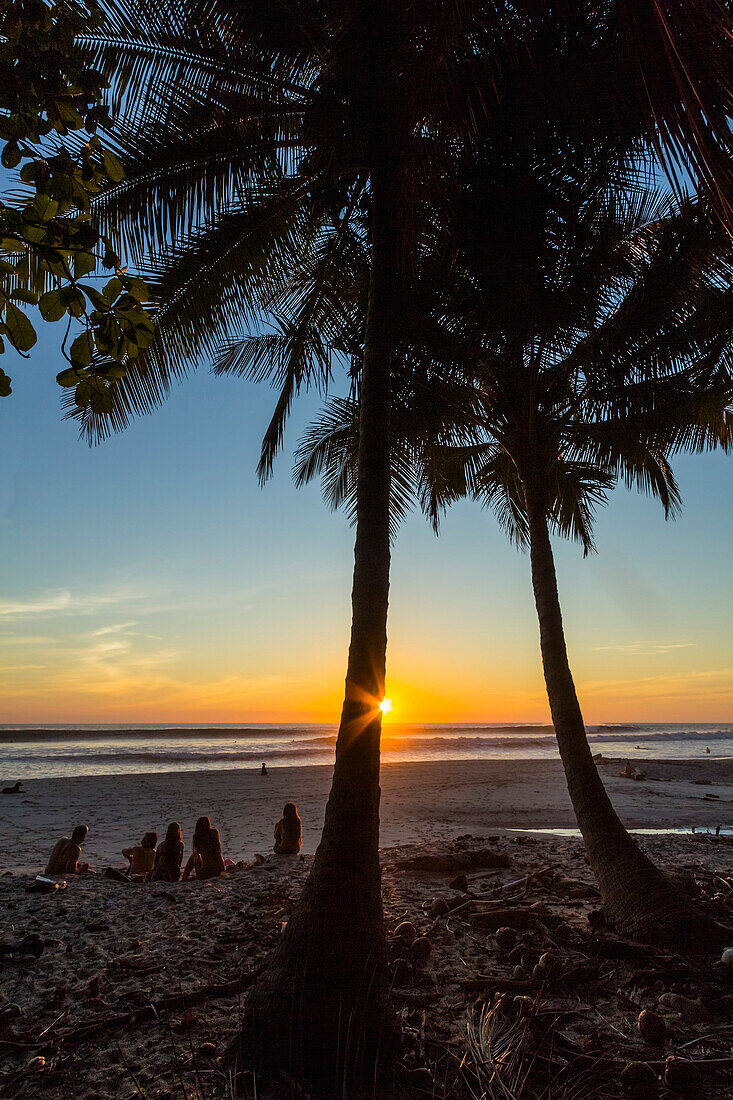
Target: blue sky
[(151, 579)]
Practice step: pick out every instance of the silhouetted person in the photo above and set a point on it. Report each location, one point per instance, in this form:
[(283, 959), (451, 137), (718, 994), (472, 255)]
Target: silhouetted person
[(64, 858), (169, 856), (142, 856), (264, 770), (288, 832), (206, 858), (15, 789)]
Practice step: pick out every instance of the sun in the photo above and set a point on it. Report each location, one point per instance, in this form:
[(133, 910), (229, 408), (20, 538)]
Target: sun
[(386, 706)]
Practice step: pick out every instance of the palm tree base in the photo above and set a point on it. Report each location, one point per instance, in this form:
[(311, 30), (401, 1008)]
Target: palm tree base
[(319, 1017)]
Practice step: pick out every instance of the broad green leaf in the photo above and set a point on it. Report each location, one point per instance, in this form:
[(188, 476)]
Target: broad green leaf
[(113, 166), (52, 305), (23, 295), (20, 330), (83, 394), (34, 233), (138, 289), (43, 208), (112, 289), (98, 300), (82, 349), (75, 301), (10, 155), (69, 377), (100, 396), (84, 262)]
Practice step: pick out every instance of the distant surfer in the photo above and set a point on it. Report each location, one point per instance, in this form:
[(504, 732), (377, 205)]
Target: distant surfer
[(264, 770)]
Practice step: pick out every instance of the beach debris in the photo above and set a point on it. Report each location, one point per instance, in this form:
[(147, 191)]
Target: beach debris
[(439, 908), (36, 1064), (639, 1081), (10, 1011), (689, 1010), (681, 1076), (460, 882), (207, 1052), (26, 945), (454, 862), (519, 974), (421, 948), (505, 938), (652, 1027), (186, 1023), (405, 933), (45, 885), (727, 957)]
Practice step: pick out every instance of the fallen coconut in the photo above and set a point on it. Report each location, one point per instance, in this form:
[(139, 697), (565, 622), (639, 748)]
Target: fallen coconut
[(421, 948), (505, 938), (639, 1081), (405, 933), (652, 1027), (439, 908), (681, 1076)]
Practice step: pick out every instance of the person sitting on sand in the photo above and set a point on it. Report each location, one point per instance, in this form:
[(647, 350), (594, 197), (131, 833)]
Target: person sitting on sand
[(288, 832), (206, 858), (169, 856), (64, 858), (142, 856), (629, 771)]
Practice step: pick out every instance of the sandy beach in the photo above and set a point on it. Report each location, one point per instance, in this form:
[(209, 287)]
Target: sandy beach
[(139, 987), (434, 801)]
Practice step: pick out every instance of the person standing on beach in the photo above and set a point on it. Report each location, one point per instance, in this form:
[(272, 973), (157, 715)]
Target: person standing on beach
[(169, 856), (64, 858), (206, 858), (288, 832)]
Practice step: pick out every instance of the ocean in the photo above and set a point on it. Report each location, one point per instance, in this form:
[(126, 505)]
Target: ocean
[(45, 752)]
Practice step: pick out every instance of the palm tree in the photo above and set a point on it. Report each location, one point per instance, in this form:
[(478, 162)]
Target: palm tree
[(610, 353), (278, 140), (254, 128)]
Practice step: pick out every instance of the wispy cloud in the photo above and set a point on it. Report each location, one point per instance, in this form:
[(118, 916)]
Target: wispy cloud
[(64, 601), (644, 647), (705, 685)]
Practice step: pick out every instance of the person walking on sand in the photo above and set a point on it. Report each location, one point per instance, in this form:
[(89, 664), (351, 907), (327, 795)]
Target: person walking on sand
[(206, 859), (288, 832), (169, 856), (64, 858)]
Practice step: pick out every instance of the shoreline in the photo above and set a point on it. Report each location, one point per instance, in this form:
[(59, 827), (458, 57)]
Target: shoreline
[(436, 801)]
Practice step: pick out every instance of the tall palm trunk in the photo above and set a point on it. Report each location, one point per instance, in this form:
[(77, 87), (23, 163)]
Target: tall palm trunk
[(320, 1012), (637, 897)]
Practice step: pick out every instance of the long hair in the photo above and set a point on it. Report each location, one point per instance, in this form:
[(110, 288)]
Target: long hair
[(290, 814), (173, 835), (149, 840), (292, 823), (202, 833)]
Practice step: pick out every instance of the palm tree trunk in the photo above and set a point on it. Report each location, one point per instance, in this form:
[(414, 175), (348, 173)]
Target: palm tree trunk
[(637, 897), (320, 1012)]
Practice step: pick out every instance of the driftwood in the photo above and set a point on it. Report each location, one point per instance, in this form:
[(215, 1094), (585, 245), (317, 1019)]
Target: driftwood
[(75, 1035)]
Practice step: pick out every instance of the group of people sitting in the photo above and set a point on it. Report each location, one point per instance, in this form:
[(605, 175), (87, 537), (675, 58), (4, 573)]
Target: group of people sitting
[(148, 863)]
